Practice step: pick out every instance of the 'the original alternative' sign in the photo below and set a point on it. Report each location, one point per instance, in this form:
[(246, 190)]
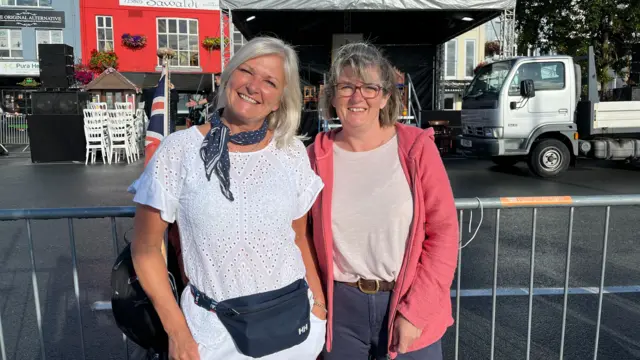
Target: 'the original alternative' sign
[(32, 18)]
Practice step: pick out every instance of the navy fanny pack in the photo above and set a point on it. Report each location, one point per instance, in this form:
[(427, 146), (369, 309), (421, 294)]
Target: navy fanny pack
[(263, 323)]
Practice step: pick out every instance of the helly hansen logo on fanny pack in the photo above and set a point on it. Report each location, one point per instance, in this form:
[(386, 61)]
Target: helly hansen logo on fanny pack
[(303, 329)]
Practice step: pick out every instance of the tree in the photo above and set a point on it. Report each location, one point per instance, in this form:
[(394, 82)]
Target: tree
[(571, 26)]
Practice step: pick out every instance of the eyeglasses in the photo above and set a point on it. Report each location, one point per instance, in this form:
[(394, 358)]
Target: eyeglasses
[(368, 91)]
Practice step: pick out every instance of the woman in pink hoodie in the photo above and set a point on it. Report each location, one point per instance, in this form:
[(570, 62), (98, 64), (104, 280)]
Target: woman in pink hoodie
[(385, 226)]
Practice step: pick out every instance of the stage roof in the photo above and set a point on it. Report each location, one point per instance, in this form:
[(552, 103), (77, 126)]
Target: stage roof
[(350, 5), (403, 22)]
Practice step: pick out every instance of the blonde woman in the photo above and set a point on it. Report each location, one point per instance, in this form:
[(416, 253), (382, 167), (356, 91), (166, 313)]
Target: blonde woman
[(240, 186)]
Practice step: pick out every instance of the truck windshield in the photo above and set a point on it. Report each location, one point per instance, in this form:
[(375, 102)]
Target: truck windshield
[(488, 80)]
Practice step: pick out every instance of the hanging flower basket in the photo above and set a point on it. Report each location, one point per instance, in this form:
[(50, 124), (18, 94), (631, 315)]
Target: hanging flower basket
[(169, 53), (83, 74), (134, 42), (211, 43), (102, 60), (491, 48)]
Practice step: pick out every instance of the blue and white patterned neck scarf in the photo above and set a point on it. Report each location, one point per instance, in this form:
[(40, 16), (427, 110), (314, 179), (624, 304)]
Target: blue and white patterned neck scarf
[(214, 151)]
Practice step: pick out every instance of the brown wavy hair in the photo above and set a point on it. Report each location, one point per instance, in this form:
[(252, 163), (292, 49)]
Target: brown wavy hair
[(363, 58)]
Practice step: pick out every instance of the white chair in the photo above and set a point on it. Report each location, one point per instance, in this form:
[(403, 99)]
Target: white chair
[(94, 135), (119, 134)]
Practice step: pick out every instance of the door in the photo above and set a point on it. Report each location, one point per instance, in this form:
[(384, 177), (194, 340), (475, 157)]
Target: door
[(551, 104)]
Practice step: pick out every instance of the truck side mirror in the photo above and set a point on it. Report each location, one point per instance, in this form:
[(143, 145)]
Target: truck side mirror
[(527, 89)]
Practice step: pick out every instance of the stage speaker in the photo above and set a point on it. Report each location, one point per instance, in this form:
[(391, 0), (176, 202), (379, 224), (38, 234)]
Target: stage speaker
[(56, 66), (55, 49), (59, 102), (56, 138)]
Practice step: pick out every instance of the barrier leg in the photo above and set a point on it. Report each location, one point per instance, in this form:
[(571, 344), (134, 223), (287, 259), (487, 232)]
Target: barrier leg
[(604, 266), (495, 286), (566, 284), (36, 295)]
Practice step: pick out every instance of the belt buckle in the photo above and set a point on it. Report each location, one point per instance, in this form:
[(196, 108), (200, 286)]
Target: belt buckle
[(368, 291)]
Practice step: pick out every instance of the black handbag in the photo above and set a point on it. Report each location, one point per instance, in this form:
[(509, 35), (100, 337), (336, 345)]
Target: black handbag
[(132, 309), (264, 323)]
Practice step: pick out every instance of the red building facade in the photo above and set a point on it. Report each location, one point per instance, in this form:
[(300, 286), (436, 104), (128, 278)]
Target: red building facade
[(181, 25)]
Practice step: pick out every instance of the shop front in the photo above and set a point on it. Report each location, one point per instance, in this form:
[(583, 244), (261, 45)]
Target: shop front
[(18, 79)]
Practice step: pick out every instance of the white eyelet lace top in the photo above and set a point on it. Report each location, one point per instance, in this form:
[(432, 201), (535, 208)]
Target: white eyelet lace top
[(230, 249)]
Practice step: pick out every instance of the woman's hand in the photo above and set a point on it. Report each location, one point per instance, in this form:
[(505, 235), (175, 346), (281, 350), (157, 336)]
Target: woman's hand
[(149, 264), (404, 334), (310, 259), (319, 312), (182, 346)]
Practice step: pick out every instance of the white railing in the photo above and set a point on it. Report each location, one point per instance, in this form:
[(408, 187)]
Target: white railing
[(14, 130)]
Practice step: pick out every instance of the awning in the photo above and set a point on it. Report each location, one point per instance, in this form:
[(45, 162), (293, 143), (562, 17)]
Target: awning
[(367, 5), (111, 79), (405, 22)]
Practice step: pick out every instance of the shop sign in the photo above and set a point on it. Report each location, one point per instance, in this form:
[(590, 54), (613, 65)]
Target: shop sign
[(26, 68), (29, 82), (32, 18), (175, 4)]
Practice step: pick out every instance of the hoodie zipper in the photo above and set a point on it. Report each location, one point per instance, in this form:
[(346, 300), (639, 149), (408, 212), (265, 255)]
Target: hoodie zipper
[(407, 255), (322, 205)]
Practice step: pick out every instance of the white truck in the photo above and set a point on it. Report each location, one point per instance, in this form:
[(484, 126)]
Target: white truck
[(529, 109)]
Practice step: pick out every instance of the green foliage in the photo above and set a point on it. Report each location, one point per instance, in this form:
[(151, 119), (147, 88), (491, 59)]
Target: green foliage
[(210, 43), (570, 27), (102, 60)]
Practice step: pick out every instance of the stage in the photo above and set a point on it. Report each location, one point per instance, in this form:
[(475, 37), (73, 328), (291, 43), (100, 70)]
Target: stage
[(408, 31)]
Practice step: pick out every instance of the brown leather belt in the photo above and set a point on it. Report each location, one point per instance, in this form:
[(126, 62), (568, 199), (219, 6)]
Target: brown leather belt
[(372, 286)]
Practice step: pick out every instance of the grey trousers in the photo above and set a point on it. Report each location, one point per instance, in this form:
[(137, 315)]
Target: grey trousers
[(360, 328)]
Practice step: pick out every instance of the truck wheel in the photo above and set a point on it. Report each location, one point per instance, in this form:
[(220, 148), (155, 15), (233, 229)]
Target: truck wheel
[(505, 161), (549, 158)]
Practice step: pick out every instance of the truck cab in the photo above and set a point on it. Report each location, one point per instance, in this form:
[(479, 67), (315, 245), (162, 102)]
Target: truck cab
[(523, 109)]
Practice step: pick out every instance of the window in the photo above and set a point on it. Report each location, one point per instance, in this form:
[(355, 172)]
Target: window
[(450, 59), (449, 102), (34, 3), (180, 35), (469, 57), (48, 37), (545, 76), (11, 43), (104, 25), (492, 30), (489, 79)]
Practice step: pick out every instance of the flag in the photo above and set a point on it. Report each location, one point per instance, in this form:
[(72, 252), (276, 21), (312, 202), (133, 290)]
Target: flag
[(157, 122)]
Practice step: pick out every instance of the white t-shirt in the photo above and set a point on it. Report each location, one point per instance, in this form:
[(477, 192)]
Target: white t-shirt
[(230, 249), (372, 209)]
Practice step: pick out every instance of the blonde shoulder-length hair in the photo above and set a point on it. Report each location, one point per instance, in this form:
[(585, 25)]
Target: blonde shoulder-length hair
[(284, 121)]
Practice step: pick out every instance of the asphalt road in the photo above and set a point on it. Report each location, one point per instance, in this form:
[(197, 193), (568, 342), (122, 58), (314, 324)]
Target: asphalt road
[(25, 185)]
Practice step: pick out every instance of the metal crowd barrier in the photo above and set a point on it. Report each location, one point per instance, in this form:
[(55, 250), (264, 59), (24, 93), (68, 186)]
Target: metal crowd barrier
[(14, 130), (497, 204)]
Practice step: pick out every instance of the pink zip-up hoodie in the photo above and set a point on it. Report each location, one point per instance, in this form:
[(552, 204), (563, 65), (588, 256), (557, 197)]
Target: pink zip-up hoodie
[(422, 292)]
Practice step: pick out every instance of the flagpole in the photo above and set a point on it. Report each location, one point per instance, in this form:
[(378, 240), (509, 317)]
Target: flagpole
[(167, 92), (166, 54)]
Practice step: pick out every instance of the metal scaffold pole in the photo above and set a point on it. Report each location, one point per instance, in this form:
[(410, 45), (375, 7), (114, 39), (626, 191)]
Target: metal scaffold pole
[(439, 77), (508, 33), (226, 38)]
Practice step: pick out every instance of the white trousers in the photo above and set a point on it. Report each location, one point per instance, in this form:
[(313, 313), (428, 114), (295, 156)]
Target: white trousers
[(225, 349)]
